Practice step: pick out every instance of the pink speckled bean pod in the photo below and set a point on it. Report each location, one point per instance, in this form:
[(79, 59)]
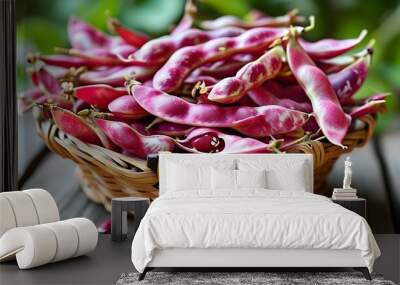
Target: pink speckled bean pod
[(186, 59), (232, 143), (335, 64), (67, 61), (252, 75), (225, 68), (77, 127), (271, 119), (46, 82), (83, 36), (329, 113), (170, 129), (351, 102), (328, 48), (292, 92), (130, 140), (345, 82), (265, 21), (126, 107), (262, 96), (158, 50), (103, 57), (99, 95), (349, 80), (115, 76)]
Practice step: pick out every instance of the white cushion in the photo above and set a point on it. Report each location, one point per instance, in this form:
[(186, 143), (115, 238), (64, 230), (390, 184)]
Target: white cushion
[(40, 244), (251, 178), (223, 179), (185, 175), (282, 175), (293, 178)]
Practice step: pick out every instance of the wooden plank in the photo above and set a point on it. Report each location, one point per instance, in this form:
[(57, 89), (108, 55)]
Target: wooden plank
[(391, 154), (29, 142)]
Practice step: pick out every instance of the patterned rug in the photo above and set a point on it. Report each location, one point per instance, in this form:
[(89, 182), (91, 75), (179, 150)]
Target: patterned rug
[(243, 278)]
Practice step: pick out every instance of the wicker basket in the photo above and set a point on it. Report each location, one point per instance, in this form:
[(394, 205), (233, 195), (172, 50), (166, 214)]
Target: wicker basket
[(106, 174)]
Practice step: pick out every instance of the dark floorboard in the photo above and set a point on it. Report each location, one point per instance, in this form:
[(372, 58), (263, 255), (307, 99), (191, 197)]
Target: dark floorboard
[(57, 175), (110, 260)]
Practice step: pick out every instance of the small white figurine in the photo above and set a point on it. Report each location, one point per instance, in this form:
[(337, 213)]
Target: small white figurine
[(347, 174)]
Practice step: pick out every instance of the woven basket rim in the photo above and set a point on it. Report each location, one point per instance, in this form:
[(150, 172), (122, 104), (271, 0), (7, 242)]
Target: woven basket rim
[(106, 173)]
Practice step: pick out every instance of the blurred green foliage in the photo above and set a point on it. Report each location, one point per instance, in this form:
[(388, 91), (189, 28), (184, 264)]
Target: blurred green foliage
[(41, 26)]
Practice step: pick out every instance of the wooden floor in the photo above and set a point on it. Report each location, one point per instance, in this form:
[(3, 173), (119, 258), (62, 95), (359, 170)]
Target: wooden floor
[(110, 259)]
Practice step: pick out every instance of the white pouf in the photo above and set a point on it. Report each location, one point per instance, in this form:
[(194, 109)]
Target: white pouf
[(40, 244), (46, 207), (22, 207), (7, 218), (26, 208)]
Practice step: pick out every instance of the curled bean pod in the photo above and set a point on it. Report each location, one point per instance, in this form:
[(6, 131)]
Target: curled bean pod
[(99, 95), (186, 59), (115, 76), (253, 74), (370, 107), (83, 36), (335, 64), (329, 113), (133, 38), (273, 119), (264, 21), (170, 129), (126, 107), (262, 96), (132, 141), (157, 51), (75, 126), (232, 143), (375, 97), (329, 48)]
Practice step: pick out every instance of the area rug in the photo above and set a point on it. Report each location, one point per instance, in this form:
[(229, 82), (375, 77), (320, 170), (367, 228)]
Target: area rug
[(243, 278)]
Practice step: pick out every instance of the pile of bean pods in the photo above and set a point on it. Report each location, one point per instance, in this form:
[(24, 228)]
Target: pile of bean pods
[(225, 85)]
